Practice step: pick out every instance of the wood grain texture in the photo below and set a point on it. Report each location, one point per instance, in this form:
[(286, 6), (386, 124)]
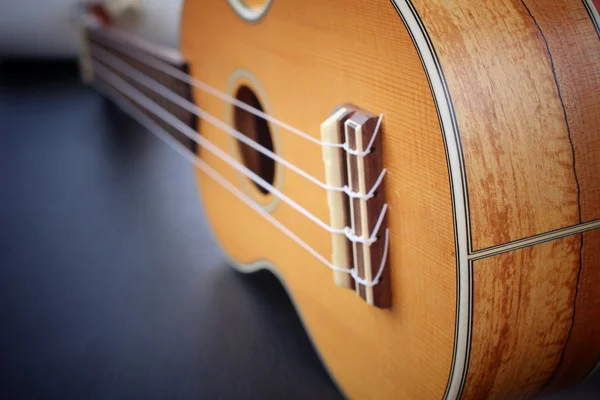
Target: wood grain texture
[(575, 49), (522, 314), (582, 350), (522, 143), (517, 151), (551, 105), (363, 172), (304, 54)]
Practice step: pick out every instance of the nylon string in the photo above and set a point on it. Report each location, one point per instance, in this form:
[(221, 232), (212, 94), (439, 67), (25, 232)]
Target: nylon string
[(213, 174), (170, 119), (146, 81), (205, 87)]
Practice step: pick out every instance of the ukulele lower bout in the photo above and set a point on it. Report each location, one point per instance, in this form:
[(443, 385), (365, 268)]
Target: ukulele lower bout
[(404, 347), (474, 217)]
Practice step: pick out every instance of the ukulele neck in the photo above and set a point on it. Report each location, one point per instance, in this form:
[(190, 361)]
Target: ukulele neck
[(116, 52)]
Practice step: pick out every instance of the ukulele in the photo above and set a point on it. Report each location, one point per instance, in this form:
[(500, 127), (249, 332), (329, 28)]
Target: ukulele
[(422, 175)]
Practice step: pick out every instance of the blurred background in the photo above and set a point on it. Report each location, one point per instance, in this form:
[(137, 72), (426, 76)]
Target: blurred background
[(45, 28)]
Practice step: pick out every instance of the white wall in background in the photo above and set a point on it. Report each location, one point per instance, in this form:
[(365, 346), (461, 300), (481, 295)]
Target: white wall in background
[(43, 27)]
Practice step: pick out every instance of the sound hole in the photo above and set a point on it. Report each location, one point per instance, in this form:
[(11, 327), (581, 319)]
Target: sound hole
[(257, 129)]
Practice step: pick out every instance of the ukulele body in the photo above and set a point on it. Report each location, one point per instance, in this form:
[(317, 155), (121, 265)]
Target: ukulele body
[(491, 141)]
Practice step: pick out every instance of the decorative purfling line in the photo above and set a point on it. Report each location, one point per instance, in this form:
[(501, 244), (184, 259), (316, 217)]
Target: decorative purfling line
[(534, 240), (458, 191), (593, 13)]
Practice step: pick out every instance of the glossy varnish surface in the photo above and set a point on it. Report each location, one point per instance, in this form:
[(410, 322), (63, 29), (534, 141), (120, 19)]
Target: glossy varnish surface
[(581, 352), (516, 143), (524, 93), (524, 77), (305, 55), (522, 313), (574, 46)]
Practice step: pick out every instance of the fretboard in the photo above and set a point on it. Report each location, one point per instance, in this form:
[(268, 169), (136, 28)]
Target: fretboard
[(113, 49)]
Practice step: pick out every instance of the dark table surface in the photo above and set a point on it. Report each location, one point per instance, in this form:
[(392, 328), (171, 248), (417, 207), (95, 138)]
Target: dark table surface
[(111, 285)]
